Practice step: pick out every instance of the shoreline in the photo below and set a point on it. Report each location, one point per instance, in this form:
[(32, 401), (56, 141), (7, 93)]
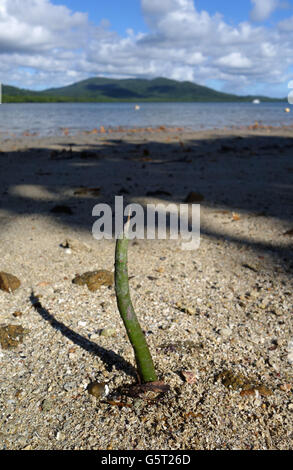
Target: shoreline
[(104, 131)]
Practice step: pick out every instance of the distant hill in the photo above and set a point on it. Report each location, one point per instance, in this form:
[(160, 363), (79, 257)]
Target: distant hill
[(101, 89)]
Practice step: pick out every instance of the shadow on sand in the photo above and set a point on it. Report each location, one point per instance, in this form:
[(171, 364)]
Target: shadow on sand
[(110, 358), (250, 174)]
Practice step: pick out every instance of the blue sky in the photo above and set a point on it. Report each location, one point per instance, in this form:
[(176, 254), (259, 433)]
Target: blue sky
[(245, 47), (124, 14)]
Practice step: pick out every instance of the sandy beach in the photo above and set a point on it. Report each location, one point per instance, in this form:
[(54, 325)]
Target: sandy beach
[(218, 320)]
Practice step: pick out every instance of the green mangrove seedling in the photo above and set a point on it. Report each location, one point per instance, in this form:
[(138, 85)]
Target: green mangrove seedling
[(135, 334)]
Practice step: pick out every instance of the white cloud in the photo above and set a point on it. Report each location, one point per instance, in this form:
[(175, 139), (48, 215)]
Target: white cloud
[(235, 60), (43, 45), (263, 9)]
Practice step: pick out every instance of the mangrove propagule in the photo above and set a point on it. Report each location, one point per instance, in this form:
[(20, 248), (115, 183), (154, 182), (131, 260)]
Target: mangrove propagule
[(145, 365)]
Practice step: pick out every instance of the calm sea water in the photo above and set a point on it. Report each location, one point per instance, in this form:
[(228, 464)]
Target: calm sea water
[(49, 119)]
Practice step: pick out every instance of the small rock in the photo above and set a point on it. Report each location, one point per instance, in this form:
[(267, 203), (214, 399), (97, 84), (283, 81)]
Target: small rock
[(11, 336), (17, 314), (160, 270), (60, 436), (94, 336), (75, 245), (108, 332), (245, 385), (8, 282), (95, 279), (98, 389), (232, 380), (286, 387)]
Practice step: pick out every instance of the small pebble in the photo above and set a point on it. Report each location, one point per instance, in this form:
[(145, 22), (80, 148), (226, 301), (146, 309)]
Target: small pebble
[(8, 282), (95, 279), (108, 332), (98, 389), (12, 335), (60, 436), (17, 314), (75, 245), (94, 336)]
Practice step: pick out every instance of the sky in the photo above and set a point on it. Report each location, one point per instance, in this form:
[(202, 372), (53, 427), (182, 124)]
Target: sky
[(242, 47)]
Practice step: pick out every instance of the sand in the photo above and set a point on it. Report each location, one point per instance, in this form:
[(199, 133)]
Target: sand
[(218, 320)]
